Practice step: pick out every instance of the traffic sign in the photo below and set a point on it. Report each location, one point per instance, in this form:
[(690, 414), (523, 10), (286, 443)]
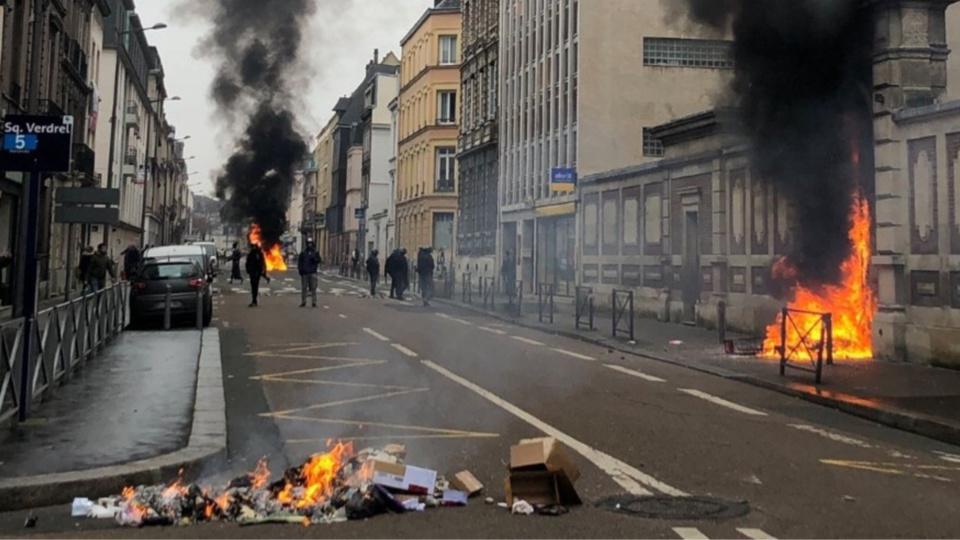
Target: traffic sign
[(359, 213), (563, 179), (36, 143)]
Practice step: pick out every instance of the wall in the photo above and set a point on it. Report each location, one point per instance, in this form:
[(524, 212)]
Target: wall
[(953, 43)]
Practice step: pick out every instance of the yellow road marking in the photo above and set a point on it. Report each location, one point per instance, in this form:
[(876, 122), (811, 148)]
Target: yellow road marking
[(300, 348), (897, 469), (365, 423), (359, 363), (334, 383), (343, 402), (390, 437)]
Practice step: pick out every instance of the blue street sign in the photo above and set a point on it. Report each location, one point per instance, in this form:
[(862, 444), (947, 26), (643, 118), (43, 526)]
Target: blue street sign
[(19, 144), (563, 179), (36, 143)]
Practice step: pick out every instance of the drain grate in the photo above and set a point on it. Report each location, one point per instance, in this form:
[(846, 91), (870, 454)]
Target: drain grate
[(676, 508)]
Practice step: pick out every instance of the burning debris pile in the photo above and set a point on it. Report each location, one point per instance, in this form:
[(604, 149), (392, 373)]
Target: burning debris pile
[(335, 486), (272, 254)]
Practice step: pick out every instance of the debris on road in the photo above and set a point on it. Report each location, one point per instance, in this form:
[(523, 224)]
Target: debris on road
[(465, 481), (521, 507), (334, 486), (541, 473)]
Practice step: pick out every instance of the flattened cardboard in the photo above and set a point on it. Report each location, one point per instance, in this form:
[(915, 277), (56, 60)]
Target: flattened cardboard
[(543, 453), (541, 488), (465, 481)]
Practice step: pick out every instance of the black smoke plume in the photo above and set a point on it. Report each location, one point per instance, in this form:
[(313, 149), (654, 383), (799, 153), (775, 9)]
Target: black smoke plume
[(802, 86), (258, 43)]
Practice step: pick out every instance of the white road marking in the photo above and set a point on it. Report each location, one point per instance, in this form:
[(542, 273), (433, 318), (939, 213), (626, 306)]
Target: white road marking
[(492, 330), (575, 355), (690, 533), (722, 402), (946, 456), (832, 436), (528, 341), (404, 350), (341, 315), (755, 534), (377, 335), (454, 319), (628, 477), (634, 373), (326, 307)]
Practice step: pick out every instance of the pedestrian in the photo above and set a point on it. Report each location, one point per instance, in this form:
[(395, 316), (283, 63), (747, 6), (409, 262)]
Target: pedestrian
[(131, 261), (355, 264), (403, 267), (308, 264), (373, 270), (235, 257), (100, 266), (83, 268), (256, 269), (425, 267), (508, 271), (392, 269)]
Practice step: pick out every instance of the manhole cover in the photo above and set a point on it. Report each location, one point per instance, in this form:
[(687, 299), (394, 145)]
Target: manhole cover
[(678, 508)]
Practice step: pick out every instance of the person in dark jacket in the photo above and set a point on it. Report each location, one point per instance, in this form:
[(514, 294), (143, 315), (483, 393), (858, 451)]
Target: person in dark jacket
[(100, 266), (131, 261), (308, 264), (508, 272), (404, 269), (256, 269), (235, 257), (392, 268), (83, 268), (373, 270), (425, 267)]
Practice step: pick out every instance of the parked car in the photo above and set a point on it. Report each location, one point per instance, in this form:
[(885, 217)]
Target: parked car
[(195, 253), (184, 276), (210, 249)]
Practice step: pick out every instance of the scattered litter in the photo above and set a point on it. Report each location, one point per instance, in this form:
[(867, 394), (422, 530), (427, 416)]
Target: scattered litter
[(467, 482), (849, 498), (541, 473), (489, 500), (552, 510), (81, 507), (522, 507), (753, 479), (330, 487), (502, 504), (676, 342)]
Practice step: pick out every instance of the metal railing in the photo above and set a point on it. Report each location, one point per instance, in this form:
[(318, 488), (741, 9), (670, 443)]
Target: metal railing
[(62, 339), (490, 293), (584, 308), (813, 341), (622, 303), (545, 294), (466, 290), (514, 297)]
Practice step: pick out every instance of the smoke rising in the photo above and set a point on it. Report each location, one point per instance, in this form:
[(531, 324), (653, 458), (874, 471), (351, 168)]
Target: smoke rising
[(258, 43), (802, 86)]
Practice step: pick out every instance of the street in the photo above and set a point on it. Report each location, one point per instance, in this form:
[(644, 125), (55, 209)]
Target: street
[(458, 389)]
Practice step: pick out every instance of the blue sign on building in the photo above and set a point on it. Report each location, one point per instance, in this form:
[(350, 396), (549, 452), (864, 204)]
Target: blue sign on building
[(563, 179)]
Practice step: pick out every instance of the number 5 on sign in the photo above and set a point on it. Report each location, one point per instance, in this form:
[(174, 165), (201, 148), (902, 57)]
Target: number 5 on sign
[(17, 142)]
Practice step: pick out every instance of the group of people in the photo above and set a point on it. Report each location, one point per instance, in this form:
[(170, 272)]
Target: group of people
[(398, 269)]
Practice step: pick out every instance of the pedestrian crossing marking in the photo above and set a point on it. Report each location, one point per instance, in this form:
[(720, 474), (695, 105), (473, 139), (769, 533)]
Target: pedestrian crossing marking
[(690, 533), (755, 534)]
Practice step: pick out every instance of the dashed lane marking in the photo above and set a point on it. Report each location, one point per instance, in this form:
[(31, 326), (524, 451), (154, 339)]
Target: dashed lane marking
[(722, 402), (404, 350), (454, 319), (377, 335), (575, 355), (690, 533), (628, 477), (341, 315), (529, 341), (634, 373), (492, 330), (946, 456), (831, 435), (755, 534)]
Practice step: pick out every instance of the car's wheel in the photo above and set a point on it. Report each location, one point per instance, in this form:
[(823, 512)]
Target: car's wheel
[(207, 315)]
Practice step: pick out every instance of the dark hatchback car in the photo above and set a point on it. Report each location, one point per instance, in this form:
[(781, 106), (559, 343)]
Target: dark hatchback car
[(185, 277)]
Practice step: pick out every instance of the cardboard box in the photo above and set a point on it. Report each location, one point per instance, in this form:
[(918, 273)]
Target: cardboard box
[(465, 481), (541, 473), (404, 477)]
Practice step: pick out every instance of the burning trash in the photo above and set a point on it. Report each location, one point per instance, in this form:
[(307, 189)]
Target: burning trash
[(334, 486), (272, 254)]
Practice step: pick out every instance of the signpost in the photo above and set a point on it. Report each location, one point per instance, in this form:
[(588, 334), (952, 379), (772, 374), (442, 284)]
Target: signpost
[(563, 180), (33, 144)]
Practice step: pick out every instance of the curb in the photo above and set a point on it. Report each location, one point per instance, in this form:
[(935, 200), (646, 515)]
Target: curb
[(917, 423), (207, 443)]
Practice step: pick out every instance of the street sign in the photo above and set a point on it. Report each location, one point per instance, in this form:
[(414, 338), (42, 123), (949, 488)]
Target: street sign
[(563, 179), (36, 143), (360, 213), (67, 195), (92, 206), (90, 215)]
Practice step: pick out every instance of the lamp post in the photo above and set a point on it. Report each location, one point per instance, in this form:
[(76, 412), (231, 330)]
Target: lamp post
[(113, 113)]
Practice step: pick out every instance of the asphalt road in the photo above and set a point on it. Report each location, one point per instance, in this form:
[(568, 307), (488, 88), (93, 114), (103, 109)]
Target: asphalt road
[(458, 389)]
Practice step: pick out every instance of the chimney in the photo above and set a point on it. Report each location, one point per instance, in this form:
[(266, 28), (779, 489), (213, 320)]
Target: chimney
[(376, 56)]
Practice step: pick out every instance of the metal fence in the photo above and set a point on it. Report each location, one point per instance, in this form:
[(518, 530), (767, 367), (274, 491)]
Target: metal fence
[(545, 294), (62, 339), (622, 302), (811, 334), (584, 308)]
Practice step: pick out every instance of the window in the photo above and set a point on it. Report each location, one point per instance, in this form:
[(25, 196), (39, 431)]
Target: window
[(691, 53), (448, 50), (446, 107), (652, 147), (446, 169)]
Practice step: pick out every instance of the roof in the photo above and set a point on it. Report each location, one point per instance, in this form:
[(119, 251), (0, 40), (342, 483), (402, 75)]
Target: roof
[(445, 6)]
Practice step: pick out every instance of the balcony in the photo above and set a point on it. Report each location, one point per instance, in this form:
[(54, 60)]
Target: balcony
[(445, 185), (75, 59), (132, 115)]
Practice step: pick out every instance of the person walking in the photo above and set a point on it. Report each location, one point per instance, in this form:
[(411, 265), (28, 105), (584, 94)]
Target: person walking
[(308, 264), (83, 269), (392, 269), (403, 269), (425, 267), (373, 270), (256, 269), (235, 257), (131, 261), (100, 266)]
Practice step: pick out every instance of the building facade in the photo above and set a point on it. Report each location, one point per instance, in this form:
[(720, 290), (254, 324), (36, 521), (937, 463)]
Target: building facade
[(558, 111), (428, 115), (323, 158), (381, 89), (478, 152)]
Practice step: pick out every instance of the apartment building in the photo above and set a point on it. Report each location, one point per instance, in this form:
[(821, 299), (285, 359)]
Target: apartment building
[(381, 89), (323, 159), (583, 82), (426, 190)]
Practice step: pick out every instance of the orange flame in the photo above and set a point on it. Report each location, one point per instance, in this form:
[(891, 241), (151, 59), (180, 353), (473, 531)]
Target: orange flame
[(273, 254), (137, 510), (318, 474), (852, 303)]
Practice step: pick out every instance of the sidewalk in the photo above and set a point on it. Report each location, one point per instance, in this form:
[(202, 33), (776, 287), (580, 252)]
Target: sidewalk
[(920, 399), (150, 403)]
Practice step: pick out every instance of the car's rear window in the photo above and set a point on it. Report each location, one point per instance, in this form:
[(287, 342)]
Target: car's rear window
[(174, 270)]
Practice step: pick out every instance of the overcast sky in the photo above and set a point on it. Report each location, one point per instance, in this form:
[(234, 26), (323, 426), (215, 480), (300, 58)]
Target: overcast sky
[(338, 43)]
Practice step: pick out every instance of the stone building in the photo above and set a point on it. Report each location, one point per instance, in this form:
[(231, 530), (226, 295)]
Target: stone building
[(583, 82), (426, 191), (480, 82), (323, 158)]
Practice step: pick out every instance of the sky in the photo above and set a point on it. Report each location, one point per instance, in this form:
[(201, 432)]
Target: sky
[(338, 43)]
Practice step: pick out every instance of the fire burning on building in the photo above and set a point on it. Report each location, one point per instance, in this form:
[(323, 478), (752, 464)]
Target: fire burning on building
[(272, 253)]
